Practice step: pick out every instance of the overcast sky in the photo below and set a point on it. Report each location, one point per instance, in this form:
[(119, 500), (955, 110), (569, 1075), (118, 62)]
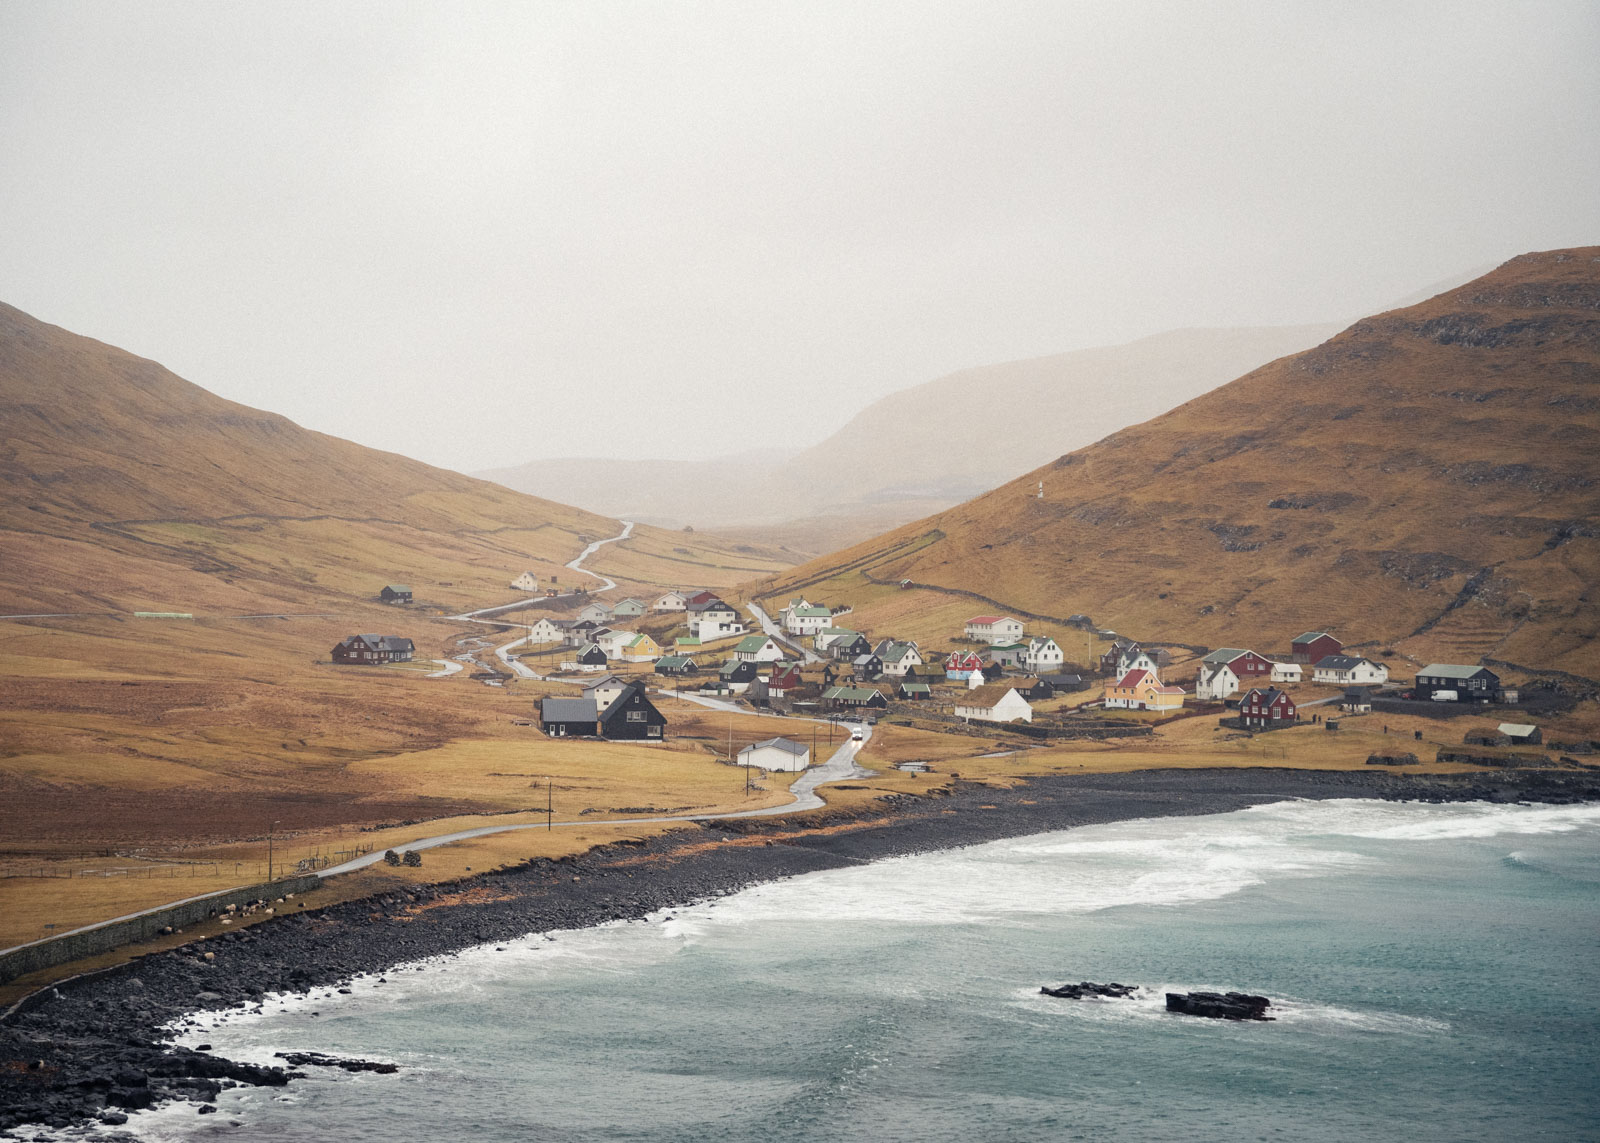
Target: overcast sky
[(483, 233)]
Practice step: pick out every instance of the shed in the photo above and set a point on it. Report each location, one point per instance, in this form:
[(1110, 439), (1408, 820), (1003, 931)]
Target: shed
[(395, 593), (776, 754), (1522, 733)]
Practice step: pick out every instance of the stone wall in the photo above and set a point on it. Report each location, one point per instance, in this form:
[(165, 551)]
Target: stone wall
[(104, 937)]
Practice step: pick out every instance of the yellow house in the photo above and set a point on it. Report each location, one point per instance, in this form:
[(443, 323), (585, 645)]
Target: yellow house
[(642, 650), (1143, 690)]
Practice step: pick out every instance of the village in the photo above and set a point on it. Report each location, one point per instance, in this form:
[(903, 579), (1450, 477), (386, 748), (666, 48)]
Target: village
[(602, 661)]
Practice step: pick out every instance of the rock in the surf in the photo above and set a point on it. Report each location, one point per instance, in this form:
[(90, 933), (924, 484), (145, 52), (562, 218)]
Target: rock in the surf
[(1087, 988), (1220, 1005)]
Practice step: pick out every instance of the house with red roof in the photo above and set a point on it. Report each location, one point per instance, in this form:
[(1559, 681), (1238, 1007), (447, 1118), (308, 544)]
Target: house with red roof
[(1140, 689)]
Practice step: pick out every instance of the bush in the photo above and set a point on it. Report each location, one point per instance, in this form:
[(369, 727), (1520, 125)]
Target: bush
[(390, 857), (413, 858)]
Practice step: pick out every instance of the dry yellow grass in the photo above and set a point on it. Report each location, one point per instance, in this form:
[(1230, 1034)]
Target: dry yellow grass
[(1438, 455)]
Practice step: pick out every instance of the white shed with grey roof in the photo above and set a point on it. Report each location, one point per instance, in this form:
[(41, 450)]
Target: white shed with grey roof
[(776, 754)]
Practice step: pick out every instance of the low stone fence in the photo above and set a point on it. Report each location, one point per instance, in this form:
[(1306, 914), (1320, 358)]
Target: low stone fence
[(104, 937)]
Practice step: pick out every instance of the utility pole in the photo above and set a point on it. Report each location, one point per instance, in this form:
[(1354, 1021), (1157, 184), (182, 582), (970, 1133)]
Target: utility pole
[(270, 833), (549, 805)]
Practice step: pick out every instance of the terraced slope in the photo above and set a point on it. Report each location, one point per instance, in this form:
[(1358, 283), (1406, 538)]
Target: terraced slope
[(1427, 480)]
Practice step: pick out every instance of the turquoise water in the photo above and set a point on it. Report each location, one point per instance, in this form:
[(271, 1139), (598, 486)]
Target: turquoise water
[(1435, 970)]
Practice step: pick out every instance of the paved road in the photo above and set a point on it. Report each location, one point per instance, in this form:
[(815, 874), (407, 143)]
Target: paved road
[(446, 669), (777, 632), (841, 767), (486, 614)]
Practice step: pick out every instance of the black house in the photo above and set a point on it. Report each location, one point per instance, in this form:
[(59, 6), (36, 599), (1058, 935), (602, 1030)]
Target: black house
[(632, 715), (867, 667), (370, 650), (568, 717), (395, 593), (1467, 684), (739, 671), (1034, 690), (851, 649), (591, 655), (1068, 683)]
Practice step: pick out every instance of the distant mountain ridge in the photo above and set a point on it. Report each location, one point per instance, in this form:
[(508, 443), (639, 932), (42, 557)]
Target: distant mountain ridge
[(1428, 481), (929, 446)]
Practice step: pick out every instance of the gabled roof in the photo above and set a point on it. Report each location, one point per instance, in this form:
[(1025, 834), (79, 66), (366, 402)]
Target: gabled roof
[(1311, 637), (609, 680), (988, 620), (1517, 729), (568, 710), (1449, 671), (916, 688), (1062, 680), (1225, 655), (674, 662), (861, 660), (622, 700), (710, 605), (987, 696), (398, 586), (1337, 663), (788, 746), (752, 643), (810, 612), (1268, 696), (1133, 678), (852, 693), (894, 651)]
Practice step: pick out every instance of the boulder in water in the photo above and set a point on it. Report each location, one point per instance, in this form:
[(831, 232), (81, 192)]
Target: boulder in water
[(1087, 988), (1220, 1005)]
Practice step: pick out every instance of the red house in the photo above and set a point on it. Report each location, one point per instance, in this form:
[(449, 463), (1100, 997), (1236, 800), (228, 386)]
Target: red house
[(784, 679), (1266, 708), (960, 665), (1244, 664), (1314, 646)]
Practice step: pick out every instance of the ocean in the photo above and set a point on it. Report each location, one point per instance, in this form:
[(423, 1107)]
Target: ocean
[(1433, 969)]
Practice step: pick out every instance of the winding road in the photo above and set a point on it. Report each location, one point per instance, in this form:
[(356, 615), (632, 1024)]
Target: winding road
[(840, 767), (485, 614)]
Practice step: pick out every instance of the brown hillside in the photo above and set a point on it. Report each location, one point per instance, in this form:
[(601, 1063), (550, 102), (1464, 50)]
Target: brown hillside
[(1427, 480), (127, 485)]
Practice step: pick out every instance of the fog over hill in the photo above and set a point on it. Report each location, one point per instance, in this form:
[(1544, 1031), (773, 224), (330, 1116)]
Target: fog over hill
[(1428, 480), (924, 448)]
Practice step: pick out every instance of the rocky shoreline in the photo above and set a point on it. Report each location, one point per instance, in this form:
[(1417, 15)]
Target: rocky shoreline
[(93, 1048)]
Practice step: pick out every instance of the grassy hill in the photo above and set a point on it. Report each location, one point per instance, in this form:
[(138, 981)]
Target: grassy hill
[(129, 486), (1428, 480)]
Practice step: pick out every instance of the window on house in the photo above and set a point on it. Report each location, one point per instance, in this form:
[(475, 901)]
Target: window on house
[(636, 716)]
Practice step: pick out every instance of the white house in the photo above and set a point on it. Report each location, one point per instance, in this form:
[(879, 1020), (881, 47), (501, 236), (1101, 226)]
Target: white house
[(594, 611), (994, 629), (1043, 656), (527, 581), (757, 649), (628, 609), (803, 618), (1287, 672), (672, 601), (1137, 660), (1215, 682), (605, 691), (994, 703), (898, 658), (612, 642), (776, 754), (714, 619), (1345, 670), (545, 630)]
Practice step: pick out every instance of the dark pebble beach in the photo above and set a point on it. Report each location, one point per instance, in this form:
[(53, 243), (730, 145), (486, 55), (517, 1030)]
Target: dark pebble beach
[(93, 1048)]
